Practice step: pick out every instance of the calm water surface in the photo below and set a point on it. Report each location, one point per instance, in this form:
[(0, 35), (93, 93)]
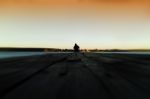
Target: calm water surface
[(147, 53), (19, 54)]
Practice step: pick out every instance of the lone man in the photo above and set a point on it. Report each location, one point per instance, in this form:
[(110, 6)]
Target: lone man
[(76, 48)]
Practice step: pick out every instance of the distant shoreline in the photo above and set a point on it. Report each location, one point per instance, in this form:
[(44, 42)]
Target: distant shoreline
[(34, 49), (70, 50)]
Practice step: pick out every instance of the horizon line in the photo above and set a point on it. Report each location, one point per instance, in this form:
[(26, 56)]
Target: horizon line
[(81, 48)]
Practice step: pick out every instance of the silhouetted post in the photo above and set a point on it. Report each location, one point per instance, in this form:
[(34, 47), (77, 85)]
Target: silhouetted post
[(76, 48)]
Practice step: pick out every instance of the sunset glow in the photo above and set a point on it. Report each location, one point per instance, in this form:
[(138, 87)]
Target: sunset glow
[(103, 24)]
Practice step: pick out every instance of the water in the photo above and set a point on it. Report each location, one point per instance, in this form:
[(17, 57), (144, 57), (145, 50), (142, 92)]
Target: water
[(18, 54), (4, 54), (144, 53)]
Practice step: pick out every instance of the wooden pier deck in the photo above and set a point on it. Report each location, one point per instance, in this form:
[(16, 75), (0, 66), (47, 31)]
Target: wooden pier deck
[(81, 76)]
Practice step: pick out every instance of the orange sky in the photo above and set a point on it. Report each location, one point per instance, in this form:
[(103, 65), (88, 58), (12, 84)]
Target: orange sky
[(75, 3), (105, 20), (105, 8)]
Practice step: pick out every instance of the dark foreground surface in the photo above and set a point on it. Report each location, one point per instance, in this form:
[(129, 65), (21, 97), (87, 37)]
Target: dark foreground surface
[(81, 76)]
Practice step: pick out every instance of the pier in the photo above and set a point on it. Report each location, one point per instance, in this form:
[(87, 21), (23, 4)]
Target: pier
[(76, 76)]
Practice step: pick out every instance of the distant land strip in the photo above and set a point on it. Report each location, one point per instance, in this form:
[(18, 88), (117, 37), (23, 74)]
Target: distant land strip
[(70, 50)]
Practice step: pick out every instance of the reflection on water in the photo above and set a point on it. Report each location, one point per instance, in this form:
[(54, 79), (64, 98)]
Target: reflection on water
[(125, 52), (18, 54)]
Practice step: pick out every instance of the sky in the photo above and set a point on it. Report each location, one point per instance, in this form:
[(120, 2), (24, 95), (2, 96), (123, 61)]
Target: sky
[(102, 24)]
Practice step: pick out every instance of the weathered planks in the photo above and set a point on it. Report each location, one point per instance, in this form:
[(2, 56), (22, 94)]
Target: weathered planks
[(95, 76)]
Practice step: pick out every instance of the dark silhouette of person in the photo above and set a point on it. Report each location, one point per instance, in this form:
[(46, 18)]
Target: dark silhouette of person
[(76, 48)]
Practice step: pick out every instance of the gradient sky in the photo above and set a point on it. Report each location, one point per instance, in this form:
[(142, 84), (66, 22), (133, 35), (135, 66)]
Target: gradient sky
[(104, 24)]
